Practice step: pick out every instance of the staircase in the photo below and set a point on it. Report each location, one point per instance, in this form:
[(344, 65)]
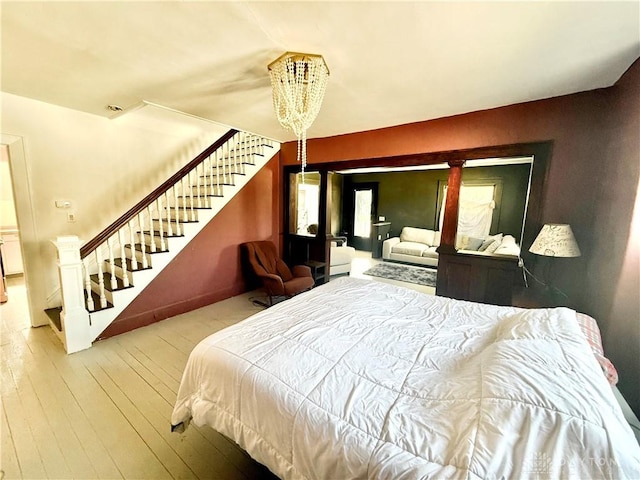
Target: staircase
[(100, 278)]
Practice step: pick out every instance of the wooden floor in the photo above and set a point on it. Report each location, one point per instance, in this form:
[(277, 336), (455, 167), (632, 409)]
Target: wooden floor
[(105, 412)]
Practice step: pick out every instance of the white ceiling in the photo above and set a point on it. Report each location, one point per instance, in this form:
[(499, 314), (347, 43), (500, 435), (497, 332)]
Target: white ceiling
[(391, 62)]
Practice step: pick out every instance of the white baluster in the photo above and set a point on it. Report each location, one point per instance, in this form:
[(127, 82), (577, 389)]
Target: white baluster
[(222, 160), (112, 264), (227, 169), (132, 241), (143, 247), (186, 186), (196, 187), (160, 226), (179, 193), (215, 184), (245, 147), (243, 153), (152, 240), (199, 170), (234, 158), (169, 217), (123, 259), (103, 297), (87, 285)]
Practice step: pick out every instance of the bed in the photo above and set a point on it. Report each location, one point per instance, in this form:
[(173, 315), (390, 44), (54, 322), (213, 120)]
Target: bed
[(359, 379)]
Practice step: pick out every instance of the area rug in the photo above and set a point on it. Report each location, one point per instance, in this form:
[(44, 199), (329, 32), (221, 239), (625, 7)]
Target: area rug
[(404, 273)]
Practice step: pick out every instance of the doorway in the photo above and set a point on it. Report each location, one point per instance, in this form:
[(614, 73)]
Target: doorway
[(28, 241), (364, 208), (15, 311)]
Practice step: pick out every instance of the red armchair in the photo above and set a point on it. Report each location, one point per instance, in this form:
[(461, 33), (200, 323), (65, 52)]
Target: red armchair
[(277, 279)]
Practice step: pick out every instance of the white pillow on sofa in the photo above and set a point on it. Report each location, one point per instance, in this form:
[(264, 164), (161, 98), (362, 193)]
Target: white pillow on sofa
[(417, 235), (436, 239), (490, 240), (508, 246)]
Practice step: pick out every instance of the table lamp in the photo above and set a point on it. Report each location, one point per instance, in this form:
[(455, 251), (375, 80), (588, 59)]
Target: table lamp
[(555, 240)]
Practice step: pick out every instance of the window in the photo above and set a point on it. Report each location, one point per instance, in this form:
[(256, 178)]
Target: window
[(475, 210), (362, 213)]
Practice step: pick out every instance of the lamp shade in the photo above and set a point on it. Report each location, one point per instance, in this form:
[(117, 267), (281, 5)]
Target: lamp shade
[(555, 240)]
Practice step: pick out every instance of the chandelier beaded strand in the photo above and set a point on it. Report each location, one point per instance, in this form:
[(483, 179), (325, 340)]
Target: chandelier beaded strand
[(298, 81)]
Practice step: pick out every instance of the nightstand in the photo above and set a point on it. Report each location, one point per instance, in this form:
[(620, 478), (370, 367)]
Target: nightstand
[(318, 271)]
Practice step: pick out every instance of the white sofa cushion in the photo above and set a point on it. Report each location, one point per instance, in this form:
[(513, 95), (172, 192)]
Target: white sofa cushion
[(409, 248), (418, 235), (430, 252)]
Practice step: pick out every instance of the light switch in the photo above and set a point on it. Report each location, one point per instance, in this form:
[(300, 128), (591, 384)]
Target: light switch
[(381, 219), (63, 204)]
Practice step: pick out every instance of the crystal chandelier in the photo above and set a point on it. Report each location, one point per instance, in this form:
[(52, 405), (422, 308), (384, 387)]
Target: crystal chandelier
[(299, 81)]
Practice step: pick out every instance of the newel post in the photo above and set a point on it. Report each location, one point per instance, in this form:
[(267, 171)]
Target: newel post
[(74, 317)]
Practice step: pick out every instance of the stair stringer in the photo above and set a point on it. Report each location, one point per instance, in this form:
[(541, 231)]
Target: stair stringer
[(100, 320)]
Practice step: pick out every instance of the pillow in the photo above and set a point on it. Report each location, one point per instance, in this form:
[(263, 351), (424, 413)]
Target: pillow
[(493, 247), (417, 235), (461, 242), (489, 240), (508, 249), (590, 330), (508, 240), (474, 243)]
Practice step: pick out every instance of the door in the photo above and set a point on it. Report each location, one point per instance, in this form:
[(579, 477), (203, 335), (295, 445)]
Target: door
[(363, 215)]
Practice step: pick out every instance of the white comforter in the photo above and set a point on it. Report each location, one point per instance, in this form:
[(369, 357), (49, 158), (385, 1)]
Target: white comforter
[(359, 379)]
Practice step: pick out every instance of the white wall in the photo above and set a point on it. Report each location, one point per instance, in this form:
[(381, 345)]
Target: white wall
[(103, 166)]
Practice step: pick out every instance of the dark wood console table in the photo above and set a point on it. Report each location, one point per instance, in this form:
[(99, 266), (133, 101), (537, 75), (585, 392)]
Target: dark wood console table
[(478, 278)]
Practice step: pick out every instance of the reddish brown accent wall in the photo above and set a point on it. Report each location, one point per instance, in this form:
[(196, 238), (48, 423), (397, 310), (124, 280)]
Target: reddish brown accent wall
[(208, 269), (612, 284), (592, 184)]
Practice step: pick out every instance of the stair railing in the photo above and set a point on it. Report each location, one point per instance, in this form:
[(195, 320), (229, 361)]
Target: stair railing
[(106, 262)]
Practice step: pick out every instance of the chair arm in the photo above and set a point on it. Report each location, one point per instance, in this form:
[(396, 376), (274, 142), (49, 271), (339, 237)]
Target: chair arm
[(340, 240), (273, 283), (387, 245), (301, 271)]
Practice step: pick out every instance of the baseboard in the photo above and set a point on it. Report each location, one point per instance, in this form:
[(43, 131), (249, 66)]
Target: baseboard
[(125, 324)]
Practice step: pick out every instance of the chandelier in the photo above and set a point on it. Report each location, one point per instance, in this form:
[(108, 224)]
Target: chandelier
[(299, 81)]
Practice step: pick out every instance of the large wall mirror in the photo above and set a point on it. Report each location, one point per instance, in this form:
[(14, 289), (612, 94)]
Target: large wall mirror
[(304, 203), (411, 192)]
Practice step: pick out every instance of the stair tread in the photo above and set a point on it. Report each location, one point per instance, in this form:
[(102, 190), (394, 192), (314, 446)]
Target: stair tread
[(175, 220), (55, 315), (96, 302), (138, 248), (194, 207), (206, 195), (107, 282), (157, 234), (118, 262)]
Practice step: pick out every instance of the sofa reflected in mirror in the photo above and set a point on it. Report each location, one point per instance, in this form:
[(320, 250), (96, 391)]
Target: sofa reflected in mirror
[(419, 246)]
